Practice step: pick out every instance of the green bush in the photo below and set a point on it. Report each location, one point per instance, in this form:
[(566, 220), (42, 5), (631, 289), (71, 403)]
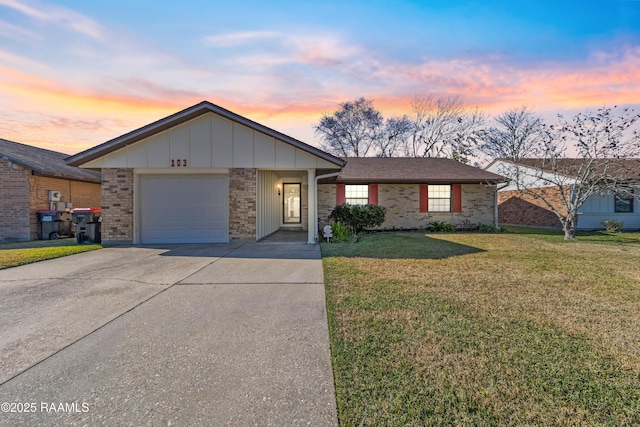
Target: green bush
[(612, 225), (341, 232), (486, 228), (440, 226), (358, 217)]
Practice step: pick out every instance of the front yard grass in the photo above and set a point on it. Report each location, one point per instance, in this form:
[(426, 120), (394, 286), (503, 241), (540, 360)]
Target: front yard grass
[(484, 329), (19, 253)]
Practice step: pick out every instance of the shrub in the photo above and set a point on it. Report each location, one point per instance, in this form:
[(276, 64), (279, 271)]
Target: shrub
[(612, 225), (486, 228), (358, 217), (440, 226), (341, 232)]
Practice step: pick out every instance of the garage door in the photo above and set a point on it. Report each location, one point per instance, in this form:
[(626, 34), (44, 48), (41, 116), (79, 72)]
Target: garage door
[(184, 209)]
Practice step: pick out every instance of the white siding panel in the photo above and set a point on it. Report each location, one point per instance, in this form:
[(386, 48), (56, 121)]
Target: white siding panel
[(158, 151), (285, 155), (201, 145), (305, 160), (137, 155), (264, 151), (242, 146), (117, 159), (179, 143), (268, 214), (222, 137)]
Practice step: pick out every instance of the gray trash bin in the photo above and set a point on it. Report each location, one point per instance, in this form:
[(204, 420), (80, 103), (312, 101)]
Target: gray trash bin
[(87, 221), (54, 224)]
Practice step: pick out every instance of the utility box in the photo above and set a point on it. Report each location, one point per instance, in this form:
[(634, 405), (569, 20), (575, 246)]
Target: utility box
[(87, 221), (54, 224)]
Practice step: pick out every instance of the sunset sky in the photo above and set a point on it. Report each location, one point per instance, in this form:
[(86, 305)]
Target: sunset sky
[(74, 74)]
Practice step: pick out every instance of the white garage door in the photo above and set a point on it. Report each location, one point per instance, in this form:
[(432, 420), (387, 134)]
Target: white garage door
[(184, 209)]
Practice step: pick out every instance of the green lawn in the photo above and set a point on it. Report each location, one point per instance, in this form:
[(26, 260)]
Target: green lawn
[(19, 253), (485, 329)]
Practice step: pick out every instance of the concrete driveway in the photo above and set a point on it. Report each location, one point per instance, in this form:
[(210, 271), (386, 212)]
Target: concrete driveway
[(176, 335)]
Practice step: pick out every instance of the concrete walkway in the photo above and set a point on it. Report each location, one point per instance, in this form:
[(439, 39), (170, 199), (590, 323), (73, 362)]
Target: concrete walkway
[(177, 335)]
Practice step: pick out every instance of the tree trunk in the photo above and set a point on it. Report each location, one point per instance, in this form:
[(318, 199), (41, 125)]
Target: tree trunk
[(569, 226), (569, 234)]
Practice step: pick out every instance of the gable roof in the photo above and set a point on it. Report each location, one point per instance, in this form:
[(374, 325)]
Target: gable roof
[(620, 168), (409, 170), (184, 116), (44, 162)]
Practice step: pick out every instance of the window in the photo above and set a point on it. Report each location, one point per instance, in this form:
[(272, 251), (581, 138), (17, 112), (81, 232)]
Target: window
[(439, 198), (624, 202), (356, 194)]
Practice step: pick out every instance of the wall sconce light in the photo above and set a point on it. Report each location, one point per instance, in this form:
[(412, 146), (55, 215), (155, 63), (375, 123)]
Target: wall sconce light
[(278, 187)]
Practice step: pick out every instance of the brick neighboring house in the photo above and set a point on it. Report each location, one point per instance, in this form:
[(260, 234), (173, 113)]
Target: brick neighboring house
[(206, 174), (517, 208), (27, 174)]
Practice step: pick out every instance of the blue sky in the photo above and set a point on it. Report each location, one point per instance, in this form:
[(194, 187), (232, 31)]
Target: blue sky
[(77, 73)]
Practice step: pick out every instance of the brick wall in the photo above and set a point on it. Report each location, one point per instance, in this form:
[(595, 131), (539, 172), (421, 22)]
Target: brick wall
[(81, 194), (242, 204), (326, 202), (14, 202), (515, 207), (402, 202), (117, 206)]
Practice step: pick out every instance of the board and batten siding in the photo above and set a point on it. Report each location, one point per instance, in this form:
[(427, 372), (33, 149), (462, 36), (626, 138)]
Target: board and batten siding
[(268, 212), (210, 141)]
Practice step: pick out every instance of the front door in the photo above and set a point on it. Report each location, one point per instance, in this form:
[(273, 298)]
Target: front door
[(291, 204)]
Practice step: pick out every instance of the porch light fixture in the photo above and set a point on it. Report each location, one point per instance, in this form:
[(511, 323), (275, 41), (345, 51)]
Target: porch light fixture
[(278, 187)]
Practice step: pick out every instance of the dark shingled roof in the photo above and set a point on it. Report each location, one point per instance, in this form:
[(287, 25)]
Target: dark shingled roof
[(409, 170), (44, 162)]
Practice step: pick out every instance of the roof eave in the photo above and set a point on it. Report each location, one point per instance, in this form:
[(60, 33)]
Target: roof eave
[(492, 181)]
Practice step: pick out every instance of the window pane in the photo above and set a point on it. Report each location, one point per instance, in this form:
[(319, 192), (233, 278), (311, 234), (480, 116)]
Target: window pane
[(356, 194), (440, 191), (624, 204), (439, 205), (439, 198)]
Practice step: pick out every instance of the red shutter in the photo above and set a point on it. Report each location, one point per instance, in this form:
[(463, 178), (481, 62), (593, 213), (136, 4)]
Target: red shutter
[(340, 197), (373, 194), (424, 198), (457, 197)]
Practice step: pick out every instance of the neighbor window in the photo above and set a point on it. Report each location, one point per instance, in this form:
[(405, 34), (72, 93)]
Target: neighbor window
[(624, 202), (439, 198), (356, 194)]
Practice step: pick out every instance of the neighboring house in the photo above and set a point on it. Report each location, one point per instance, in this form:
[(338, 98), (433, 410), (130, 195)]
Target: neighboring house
[(27, 175), (206, 174), (516, 208)]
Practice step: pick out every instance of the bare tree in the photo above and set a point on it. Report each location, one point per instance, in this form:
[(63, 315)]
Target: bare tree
[(353, 130), (396, 132), (592, 153), (442, 127), (515, 134)]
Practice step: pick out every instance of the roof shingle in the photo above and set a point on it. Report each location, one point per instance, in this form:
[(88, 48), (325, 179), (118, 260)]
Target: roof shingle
[(411, 170), (45, 162)]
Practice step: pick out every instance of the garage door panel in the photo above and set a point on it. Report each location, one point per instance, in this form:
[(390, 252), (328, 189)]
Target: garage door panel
[(184, 209)]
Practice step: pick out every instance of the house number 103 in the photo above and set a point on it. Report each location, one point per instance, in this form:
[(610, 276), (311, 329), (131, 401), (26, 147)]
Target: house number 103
[(178, 163)]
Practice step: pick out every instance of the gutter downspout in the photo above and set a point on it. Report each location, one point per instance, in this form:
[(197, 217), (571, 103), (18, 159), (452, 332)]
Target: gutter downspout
[(495, 204), (315, 200)]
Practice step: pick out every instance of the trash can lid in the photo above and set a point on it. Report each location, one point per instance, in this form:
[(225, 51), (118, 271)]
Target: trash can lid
[(79, 210)]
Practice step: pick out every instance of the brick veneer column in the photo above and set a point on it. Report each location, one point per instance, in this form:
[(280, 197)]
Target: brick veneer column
[(14, 202), (242, 204), (117, 206)]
